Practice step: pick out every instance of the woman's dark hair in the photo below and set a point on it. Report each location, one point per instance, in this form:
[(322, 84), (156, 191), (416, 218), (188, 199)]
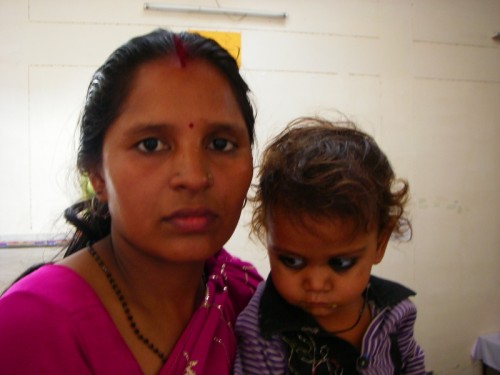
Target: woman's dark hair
[(106, 94), (320, 168)]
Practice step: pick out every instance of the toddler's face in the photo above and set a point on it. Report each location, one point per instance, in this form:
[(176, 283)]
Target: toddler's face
[(320, 267)]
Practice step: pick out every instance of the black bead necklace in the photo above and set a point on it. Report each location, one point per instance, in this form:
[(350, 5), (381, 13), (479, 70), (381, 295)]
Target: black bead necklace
[(125, 306)]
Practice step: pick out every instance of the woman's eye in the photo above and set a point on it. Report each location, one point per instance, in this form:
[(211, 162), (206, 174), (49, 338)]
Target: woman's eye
[(151, 145), (341, 264), (292, 262), (221, 144)]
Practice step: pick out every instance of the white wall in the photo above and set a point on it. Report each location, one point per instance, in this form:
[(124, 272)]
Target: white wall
[(422, 76)]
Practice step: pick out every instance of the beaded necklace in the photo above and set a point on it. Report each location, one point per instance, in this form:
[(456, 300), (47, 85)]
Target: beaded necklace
[(125, 306)]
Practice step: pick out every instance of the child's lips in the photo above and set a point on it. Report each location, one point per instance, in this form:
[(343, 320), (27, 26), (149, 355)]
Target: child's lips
[(320, 304)]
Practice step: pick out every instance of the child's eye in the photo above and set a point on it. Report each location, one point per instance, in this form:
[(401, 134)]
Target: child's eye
[(221, 144), (341, 264), (292, 262), (151, 145)]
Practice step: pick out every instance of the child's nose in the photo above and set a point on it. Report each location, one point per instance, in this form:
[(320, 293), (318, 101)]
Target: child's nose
[(318, 279)]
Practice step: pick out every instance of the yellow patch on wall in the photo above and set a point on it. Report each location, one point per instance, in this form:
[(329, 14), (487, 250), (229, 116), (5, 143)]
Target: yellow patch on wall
[(229, 40)]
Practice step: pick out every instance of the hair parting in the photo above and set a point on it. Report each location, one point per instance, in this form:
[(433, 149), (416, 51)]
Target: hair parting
[(180, 50)]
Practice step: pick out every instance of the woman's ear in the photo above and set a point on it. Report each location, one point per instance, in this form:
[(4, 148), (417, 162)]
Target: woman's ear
[(98, 184)]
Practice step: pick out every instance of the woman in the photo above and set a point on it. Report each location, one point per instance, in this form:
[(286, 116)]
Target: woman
[(145, 286)]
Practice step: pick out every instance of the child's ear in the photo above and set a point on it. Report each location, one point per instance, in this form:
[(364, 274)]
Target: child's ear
[(382, 241), (98, 184)]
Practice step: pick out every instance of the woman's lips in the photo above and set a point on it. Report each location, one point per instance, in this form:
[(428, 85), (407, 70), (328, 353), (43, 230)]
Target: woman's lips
[(191, 220)]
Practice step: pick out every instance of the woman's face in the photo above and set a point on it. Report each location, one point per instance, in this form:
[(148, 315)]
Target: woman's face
[(177, 162)]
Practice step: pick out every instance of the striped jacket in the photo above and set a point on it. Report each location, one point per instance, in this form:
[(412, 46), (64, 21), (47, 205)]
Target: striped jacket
[(388, 344)]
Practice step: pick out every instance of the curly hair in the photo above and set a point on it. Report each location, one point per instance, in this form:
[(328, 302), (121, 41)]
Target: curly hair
[(319, 168)]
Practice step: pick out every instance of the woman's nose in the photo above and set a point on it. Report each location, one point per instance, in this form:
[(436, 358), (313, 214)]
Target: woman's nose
[(191, 171)]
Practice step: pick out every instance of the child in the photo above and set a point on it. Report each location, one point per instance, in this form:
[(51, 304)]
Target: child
[(327, 203)]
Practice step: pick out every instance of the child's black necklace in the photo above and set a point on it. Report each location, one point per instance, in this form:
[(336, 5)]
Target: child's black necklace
[(125, 306), (360, 315)]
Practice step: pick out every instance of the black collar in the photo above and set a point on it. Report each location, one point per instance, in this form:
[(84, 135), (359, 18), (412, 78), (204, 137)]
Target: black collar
[(278, 316)]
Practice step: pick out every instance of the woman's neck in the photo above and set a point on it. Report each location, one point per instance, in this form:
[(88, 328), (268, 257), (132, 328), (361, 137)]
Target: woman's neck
[(160, 299), (160, 296), (154, 283)]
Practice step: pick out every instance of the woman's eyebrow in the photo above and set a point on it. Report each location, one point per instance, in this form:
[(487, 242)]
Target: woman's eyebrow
[(141, 128), (227, 126), (160, 126)]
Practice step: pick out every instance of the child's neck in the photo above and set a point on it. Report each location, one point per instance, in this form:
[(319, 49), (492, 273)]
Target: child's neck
[(355, 336), (349, 322)]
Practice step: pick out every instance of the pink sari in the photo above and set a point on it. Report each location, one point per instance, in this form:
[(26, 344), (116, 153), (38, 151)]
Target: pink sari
[(53, 318), (208, 344)]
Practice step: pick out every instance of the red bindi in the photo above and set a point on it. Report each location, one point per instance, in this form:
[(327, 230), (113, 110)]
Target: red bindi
[(191, 125)]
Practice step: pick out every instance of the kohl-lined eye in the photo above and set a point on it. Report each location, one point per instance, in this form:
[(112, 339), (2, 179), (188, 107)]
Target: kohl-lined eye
[(292, 262), (341, 264), (151, 145), (222, 144)]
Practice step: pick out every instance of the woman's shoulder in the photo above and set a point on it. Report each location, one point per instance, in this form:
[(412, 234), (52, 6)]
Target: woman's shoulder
[(55, 305), (239, 278), (233, 269), (52, 285)]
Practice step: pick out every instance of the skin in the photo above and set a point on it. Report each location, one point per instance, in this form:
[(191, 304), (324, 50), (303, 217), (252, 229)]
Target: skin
[(320, 267), (176, 167), (170, 186)]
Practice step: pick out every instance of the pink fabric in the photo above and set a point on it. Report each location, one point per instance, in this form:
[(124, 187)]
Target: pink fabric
[(52, 322)]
